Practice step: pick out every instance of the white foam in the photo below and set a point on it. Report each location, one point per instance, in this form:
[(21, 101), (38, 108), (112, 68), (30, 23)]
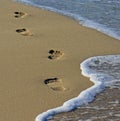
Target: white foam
[(101, 71)]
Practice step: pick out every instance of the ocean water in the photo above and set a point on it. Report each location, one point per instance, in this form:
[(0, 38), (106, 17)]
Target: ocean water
[(103, 71), (106, 107), (103, 15)]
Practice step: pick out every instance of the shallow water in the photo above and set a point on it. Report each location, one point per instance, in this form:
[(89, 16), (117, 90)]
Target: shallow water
[(102, 15), (106, 107)]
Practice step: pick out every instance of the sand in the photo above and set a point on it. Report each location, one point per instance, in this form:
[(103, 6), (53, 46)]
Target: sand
[(27, 35)]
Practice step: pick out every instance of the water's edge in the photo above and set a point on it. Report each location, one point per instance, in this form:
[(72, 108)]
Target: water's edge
[(103, 71), (82, 21)]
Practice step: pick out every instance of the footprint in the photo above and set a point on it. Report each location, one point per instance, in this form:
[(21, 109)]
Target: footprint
[(20, 14), (24, 32), (55, 84), (55, 54)]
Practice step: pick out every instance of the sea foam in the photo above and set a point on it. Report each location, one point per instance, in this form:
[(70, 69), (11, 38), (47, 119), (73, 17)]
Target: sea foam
[(103, 71)]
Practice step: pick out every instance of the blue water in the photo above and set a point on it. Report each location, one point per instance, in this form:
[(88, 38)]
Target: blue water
[(103, 15)]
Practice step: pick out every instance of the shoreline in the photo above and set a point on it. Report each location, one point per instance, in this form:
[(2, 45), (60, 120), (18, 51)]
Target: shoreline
[(99, 27), (24, 94), (105, 107), (103, 71)]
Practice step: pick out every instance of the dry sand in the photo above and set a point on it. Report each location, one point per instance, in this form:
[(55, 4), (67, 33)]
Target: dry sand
[(25, 41)]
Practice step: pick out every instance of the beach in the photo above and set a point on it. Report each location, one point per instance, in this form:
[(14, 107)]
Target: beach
[(38, 45)]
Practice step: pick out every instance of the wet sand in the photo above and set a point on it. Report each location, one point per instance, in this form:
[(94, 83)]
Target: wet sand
[(106, 107), (27, 36)]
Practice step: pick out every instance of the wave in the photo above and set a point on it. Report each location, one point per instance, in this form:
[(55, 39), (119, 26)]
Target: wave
[(82, 21), (103, 71)]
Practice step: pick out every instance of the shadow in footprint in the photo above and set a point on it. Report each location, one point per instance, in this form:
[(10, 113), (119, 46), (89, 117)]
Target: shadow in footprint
[(20, 14), (55, 84), (55, 54), (24, 32)]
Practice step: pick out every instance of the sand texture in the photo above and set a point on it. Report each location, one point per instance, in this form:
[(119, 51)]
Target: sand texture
[(38, 45)]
